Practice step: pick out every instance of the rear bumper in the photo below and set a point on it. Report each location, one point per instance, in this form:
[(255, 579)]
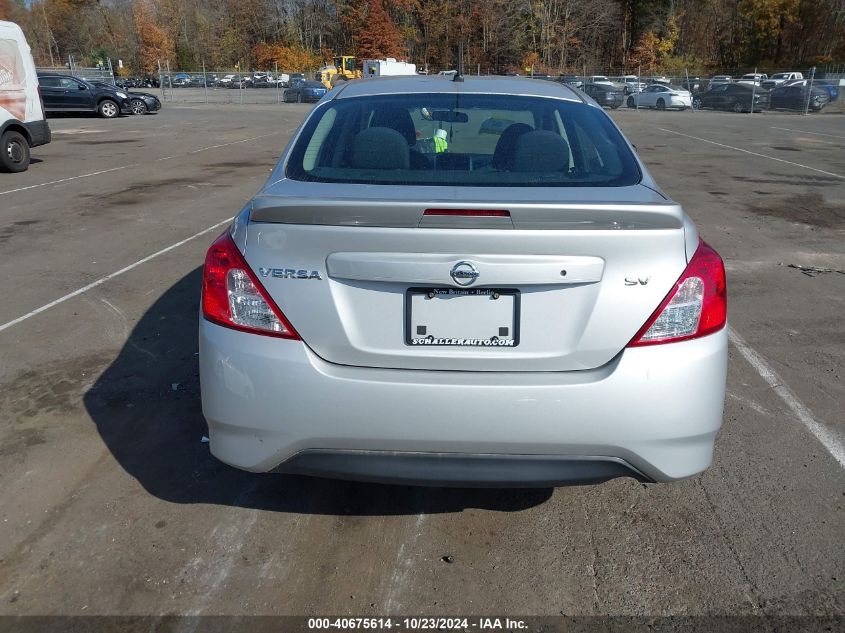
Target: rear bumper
[(39, 132), (611, 102), (653, 413), (680, 102), (458, 469)]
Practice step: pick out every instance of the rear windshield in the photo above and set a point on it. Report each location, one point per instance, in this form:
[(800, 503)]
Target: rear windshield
[(462, 140)]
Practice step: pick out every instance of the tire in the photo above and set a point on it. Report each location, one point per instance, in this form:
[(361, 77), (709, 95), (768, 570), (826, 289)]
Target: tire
[(661, 104), (108, 109), (631, 103), (737, 107), (615, 105), (14, 152), (138, 106), (697, 103)]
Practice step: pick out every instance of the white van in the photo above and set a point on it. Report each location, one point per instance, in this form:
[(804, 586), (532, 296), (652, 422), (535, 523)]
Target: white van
[(22, 121)]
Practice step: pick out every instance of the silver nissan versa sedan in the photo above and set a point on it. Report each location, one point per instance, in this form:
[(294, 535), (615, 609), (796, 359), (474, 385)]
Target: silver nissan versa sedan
[(469, 283)]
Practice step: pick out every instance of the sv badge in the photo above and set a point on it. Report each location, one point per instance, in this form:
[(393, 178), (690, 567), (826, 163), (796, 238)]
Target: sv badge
[(633, 281)]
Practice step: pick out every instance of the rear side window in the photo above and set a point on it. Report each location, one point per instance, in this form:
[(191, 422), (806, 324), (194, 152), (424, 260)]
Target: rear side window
[(462, 140)]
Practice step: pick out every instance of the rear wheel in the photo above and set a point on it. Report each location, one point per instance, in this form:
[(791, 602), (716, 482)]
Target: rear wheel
[(108, 109), (613, 106), (631, 103), (661, 104), (14, 152), (696, 103), (737, 107), (138, 106)]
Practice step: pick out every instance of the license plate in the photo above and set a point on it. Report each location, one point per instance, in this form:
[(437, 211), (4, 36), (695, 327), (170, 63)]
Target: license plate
[(462, 317)]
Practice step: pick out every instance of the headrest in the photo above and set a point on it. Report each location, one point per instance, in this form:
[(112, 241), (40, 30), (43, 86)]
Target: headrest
[(380, 148)]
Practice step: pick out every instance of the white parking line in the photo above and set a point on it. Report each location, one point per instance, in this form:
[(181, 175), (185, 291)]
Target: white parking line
[(745, 151), (787, 129), (103, 280), (828, 438), (106, 171), (56, 182)]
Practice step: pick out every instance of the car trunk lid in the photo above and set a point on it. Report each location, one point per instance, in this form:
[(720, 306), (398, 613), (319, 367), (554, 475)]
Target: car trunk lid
[(549, 286)]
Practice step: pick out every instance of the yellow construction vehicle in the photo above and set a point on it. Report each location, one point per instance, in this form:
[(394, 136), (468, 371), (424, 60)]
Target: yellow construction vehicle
[(342, 68)]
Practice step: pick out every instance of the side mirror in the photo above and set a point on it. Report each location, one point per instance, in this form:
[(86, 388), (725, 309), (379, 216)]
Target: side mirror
[(82, 87)]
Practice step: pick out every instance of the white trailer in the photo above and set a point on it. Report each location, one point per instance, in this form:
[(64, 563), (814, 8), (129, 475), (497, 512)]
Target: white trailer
[(387, 68)]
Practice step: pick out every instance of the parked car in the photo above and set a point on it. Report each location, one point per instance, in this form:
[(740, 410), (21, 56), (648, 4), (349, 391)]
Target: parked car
[(597, 79), (780, 79), (360, 318), (630, 83), (605, 94), (571, 80), (752, 79), (304, 91), (127, 82), (798, 96), (661, 97), (23, 124), (719, 80), (240, 83), (64, 93), (262, 80), (691, 84), (832, 87), (226, 80), (141, 102), (180, 80), (735, 97), (660, 79)]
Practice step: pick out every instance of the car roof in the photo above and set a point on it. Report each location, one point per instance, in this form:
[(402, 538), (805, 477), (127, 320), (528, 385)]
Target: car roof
[(445, 85)]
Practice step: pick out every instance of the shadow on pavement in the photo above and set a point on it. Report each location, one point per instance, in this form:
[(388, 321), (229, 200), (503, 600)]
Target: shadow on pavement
[(146, 406)]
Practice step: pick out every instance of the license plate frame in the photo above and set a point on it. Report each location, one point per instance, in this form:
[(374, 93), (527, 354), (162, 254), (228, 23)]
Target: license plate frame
[(458, 292)]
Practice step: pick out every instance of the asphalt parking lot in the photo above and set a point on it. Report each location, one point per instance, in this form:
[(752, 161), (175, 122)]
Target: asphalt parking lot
[(111, 503)]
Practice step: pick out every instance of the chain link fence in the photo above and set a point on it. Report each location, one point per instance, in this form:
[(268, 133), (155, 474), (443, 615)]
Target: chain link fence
[(224, 87), (781, 89), (800, 91), (103, 72)]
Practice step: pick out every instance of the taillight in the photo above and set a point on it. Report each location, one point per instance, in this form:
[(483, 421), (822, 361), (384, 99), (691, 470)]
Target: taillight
[(233, 297), (470, 213), (696, 306)]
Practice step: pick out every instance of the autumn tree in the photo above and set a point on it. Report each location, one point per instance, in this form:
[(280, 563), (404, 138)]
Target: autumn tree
[(295, 57), (153, 41), (377, 36), (604, 36)]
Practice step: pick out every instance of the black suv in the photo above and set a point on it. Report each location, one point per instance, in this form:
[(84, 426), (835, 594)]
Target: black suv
[(63, 93)]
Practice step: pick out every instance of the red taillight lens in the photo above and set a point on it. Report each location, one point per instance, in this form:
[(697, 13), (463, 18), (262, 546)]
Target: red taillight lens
[(696, 306), (233, 297), (469, 213)]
